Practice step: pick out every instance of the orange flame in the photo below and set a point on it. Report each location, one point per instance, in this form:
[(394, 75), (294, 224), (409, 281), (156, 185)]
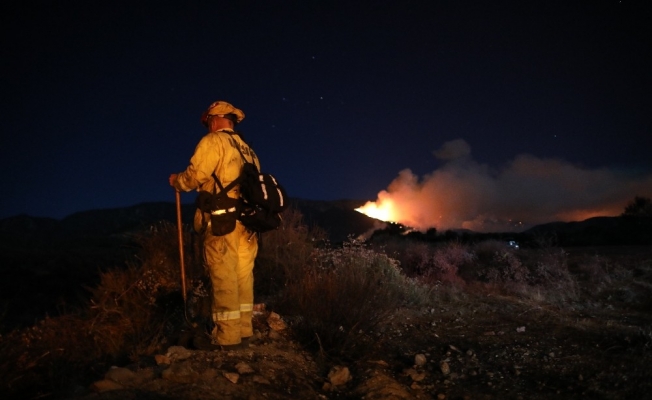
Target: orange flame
[(384, 210)]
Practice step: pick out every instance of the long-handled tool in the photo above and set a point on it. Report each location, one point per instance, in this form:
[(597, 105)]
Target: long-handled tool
[(183, 267)]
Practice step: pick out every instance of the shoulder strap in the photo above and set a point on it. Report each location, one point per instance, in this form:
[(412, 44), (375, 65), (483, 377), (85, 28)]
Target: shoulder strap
[(228, 187), (238, 179)]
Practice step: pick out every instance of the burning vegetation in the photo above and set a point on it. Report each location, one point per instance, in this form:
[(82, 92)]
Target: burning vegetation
[(464, 194)]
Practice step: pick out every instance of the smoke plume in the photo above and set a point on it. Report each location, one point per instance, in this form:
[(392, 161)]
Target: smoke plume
[(525, 192)]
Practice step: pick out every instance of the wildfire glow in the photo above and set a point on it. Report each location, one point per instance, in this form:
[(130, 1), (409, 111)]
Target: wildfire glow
[(526, 191), (382, 210)]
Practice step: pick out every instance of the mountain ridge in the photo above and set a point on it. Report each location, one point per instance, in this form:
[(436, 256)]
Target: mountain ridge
[(337, 218)]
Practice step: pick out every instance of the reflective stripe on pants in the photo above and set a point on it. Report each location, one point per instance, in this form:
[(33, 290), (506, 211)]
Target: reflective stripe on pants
[(230, 261)]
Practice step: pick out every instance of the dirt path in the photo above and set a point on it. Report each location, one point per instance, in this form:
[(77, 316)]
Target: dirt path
[(495, 349)]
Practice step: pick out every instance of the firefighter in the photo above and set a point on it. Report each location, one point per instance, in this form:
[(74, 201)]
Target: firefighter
[(229, 258)]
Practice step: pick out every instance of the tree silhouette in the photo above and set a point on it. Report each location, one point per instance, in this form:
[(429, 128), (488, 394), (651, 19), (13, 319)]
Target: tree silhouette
[(639, 207)]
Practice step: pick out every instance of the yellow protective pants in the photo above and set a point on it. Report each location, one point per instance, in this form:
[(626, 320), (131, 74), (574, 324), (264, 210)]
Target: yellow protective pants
[(230, 261)]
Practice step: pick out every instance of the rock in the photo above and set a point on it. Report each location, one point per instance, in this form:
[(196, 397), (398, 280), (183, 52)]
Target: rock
[(180, 372), (520, 329), (339, 375), (261, 379), (381, 386), (380, 363), (490, 333), (415, 375), (106, 385), (244, 368), (209, 374), (274, 335), (162, 360), (420, 360), (445, 368), (123, 376), (231, 376), (178, 353), (144, 375), (275, 322)]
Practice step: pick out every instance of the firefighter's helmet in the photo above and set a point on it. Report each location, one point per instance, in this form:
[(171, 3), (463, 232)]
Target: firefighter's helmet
[(221, 108)]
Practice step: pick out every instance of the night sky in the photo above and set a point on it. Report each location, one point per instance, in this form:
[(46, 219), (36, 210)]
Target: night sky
[(101, 100)]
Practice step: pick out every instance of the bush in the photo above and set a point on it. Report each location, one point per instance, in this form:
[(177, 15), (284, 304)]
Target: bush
[(131, 313), (447, 262), (340, 296), (282, 253), (498, 263)]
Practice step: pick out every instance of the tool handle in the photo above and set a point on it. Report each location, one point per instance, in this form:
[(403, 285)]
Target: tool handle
[(181, 256)]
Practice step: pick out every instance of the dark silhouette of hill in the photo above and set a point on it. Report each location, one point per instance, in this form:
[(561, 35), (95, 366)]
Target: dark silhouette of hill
[(597, 231), (46, 263), (337, 218), (89, 224)]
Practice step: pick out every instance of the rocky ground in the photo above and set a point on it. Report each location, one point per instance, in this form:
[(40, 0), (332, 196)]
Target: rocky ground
[(487, 348)]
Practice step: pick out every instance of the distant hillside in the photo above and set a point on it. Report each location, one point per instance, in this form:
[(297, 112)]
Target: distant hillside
[(92, 223), (337, 218), (597, 231)]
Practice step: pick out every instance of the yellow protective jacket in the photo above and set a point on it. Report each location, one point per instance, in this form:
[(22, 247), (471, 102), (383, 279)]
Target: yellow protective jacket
[(229, 258), (216, 152)]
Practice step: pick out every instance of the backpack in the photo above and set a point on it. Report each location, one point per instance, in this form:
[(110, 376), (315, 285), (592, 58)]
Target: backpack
[(263, 198)]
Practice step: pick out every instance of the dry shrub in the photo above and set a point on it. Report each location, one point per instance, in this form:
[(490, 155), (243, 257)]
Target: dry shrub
[(134, 309), (50, 357), (447, 260), (550, 267), (496, 263), (540, 274), (125, 318), (341, 295), (283, 252), (628, 287), (427, 262), (131, 312), (594, 269), (160, 261), (414, 258)]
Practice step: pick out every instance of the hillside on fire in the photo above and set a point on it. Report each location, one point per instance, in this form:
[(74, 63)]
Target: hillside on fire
[(347, 306)]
